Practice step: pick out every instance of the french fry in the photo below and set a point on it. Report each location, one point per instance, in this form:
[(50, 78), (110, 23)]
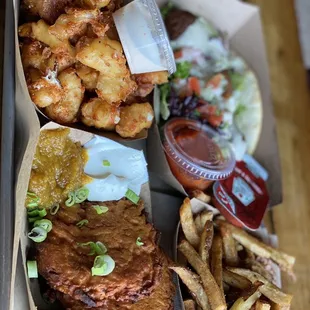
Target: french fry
[(201, 219), (246, 304), (189, 304), (198, 194), (216, 262), (286, 262), (206, 241), (268, 289), (229, 246), (212, 290), (235, 280), (262, 305), (191, 280), (259, 268), (188, 225)]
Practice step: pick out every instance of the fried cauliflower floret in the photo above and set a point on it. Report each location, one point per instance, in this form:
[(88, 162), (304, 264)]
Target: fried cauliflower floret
[(95, 4), (74, 22), (35, 54), (44, 90), (40, 31), (49, 10), (104, 55), (146, 81), (114, 89), (66, 110), (134, 118), (88, 75), (100, 114)]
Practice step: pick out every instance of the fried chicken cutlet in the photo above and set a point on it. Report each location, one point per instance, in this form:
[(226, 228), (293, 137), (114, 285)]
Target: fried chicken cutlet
[(140, 269)]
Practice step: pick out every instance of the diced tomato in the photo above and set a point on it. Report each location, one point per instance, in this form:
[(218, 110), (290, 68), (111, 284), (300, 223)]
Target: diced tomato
[(194, 84), (178, 54), (206, 110), (215, 120), (228, 89), (215, 81)]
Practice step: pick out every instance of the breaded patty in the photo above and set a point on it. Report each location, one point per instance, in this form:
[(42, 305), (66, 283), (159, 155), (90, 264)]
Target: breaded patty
[(139, 270)]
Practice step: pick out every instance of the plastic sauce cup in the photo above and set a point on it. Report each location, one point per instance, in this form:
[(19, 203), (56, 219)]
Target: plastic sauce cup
[(197, 155), (144, 38)]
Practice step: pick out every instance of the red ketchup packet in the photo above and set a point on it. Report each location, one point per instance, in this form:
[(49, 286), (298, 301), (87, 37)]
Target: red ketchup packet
[(243, 197)]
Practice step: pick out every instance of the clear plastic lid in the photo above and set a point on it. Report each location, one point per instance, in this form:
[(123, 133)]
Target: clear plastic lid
[(198, 148), (144, 38)]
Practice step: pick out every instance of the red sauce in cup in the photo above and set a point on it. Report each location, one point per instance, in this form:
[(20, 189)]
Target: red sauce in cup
[(197, 155)]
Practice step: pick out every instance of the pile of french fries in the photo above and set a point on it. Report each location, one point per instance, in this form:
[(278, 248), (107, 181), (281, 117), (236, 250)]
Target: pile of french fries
[(229, 273)]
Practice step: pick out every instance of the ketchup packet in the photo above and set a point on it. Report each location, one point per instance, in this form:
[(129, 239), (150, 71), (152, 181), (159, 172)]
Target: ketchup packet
[(243, 197)]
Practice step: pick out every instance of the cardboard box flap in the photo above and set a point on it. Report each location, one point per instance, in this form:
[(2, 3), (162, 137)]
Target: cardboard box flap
[(226, 15), (249, 43)]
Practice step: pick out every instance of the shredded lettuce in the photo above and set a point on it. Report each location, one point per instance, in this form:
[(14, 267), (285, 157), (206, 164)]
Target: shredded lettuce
[(164, 105), (166, 9), (240, 109), (183, 70), (236, 80)]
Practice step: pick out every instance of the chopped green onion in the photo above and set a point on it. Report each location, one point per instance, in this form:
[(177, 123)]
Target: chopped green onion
[(82, 223), (77, 196), (37, 234), (32, 269), (45, 224), (106, 163), (103, 265), (37, 212), (101, 248), (33, 219), (139, 242), (95, 248), (71, 200), (54, 209), (81, 194), (132, 196), (33, 199), (92, 247), (101, 209)]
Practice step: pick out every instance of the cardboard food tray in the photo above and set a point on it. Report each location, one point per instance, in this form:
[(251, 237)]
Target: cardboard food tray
[(21, 83), (262, 233), (21, 224), (243, 26)]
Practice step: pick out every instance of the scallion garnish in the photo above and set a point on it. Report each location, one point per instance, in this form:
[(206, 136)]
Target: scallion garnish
[(32, 269), (71, 200), (82, 223), (139, 242), (132, 196), (33, 219), (103, 265), (101, 209), (81, 194), (95, 248), (101, 248), (77, 196), (106, 163), (37, 212), (54, 209), (92, 246), (37, 234), (33, 200), (44, 223)]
